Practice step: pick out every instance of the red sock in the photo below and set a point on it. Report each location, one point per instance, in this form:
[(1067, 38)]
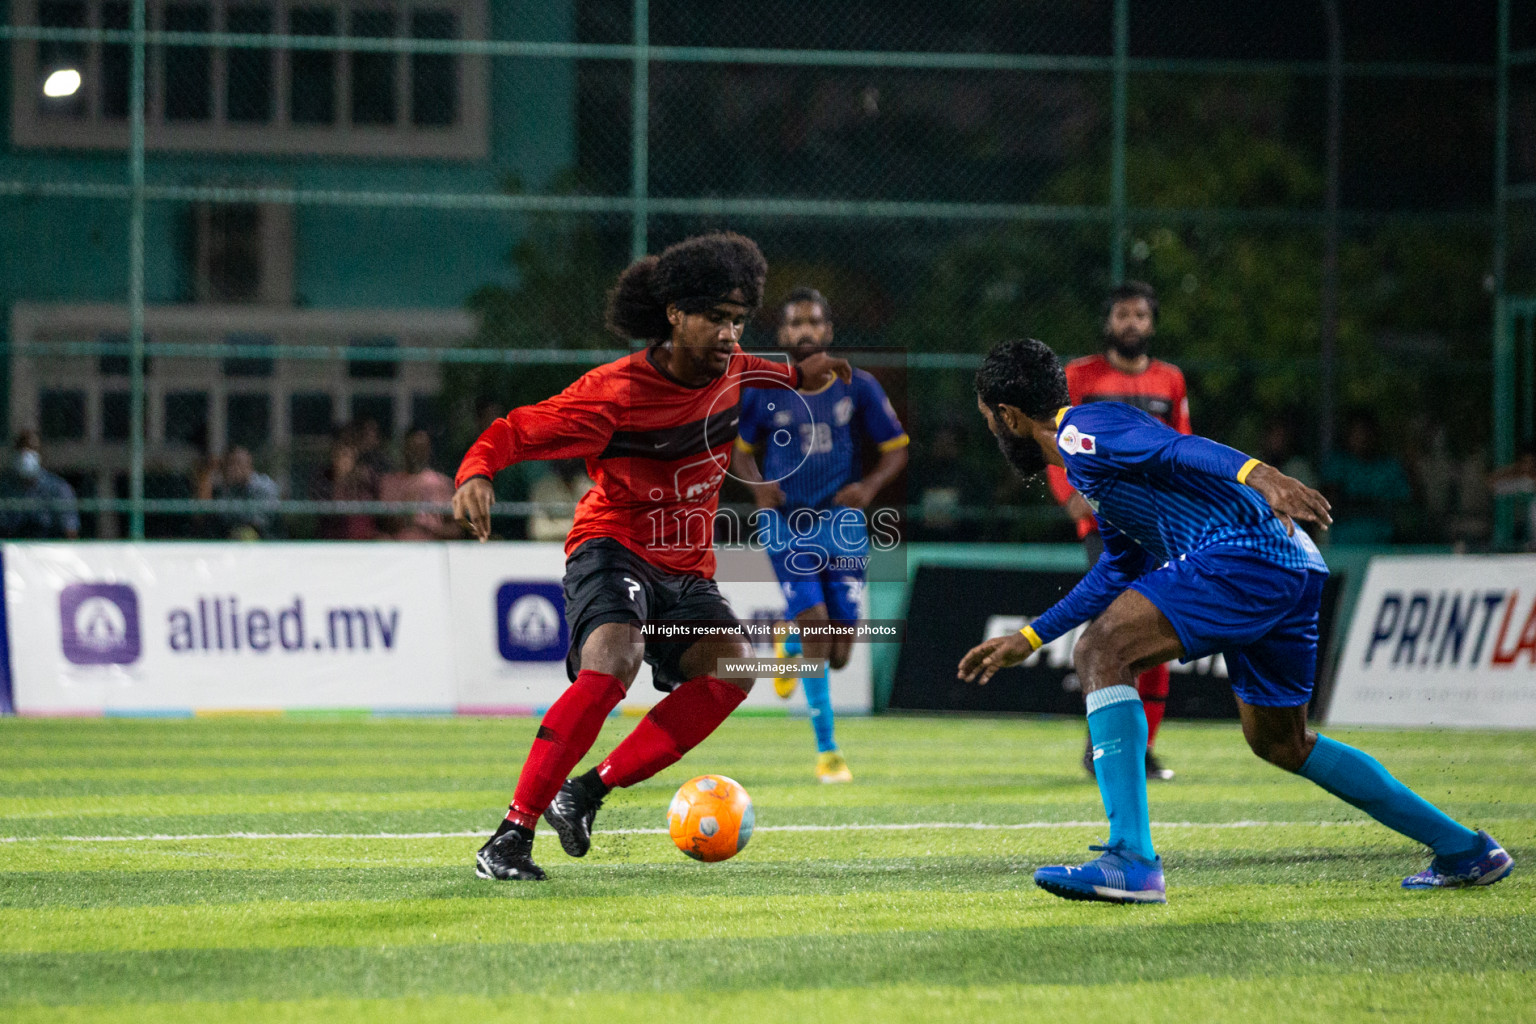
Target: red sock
[(674, 727), (1152, 685), (569, 729)]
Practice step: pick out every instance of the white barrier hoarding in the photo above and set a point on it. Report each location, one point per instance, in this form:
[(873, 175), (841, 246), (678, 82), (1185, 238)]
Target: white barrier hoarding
[(1441, 641), (510, 633), (178, 628), (171, 628)]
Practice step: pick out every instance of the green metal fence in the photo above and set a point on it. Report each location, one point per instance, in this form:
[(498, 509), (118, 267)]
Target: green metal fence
[(947, 177), (1514, 263)]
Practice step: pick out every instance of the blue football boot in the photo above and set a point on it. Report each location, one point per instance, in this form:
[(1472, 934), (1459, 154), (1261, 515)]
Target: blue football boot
[(1483, 866), (1116, 877)]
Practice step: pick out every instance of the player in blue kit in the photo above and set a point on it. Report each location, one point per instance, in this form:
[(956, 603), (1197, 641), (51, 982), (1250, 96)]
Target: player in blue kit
[(1201, 555), (812, 497)]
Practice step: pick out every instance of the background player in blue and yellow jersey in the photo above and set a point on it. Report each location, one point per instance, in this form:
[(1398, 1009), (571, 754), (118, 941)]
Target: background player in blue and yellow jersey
[(1201, 555), (812, 494)]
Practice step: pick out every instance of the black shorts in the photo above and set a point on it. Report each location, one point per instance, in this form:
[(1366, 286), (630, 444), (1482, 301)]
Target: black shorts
[(607, 582)]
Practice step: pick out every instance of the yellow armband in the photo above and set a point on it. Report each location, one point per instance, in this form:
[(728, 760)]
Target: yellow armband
[(1032, 637), (1248, 467)]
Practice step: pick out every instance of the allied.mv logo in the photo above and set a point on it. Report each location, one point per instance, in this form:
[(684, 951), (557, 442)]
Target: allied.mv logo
[(99, 623), (530, 622)]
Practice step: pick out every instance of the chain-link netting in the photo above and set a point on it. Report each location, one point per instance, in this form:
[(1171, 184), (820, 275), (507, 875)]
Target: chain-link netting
[(1514, 350), (368, 227)]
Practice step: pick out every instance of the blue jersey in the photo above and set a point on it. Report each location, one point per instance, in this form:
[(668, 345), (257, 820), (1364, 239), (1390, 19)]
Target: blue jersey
[(807, 440), (1159, 495)]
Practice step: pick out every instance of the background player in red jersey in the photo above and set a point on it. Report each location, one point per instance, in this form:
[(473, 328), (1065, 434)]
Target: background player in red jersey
[(1125, 373), (656, 429)]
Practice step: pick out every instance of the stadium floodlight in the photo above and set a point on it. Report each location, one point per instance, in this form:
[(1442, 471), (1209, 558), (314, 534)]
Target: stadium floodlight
[(63, 82)]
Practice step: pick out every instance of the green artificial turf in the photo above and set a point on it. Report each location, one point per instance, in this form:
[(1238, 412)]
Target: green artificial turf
[(314, 869)]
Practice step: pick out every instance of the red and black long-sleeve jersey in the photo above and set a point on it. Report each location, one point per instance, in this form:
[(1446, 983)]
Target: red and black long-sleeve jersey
[(656, 449)]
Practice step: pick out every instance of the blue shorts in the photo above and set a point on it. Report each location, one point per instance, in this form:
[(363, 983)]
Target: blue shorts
[(1261, 617), (819, 557)]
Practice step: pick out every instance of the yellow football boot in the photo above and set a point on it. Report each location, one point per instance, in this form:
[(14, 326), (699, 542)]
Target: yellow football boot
[(832, 767), (784, 686)]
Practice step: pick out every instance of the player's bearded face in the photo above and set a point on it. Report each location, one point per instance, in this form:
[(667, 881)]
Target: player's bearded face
[(1129, 326), (805, 330), (1129, 343), (1021, 450)]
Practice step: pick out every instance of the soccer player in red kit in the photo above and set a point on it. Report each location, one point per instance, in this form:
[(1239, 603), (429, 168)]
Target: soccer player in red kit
[(656, 429), (1125, 373)]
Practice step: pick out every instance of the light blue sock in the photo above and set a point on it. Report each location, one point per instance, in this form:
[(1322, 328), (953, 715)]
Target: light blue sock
[(1358, 778), (1118, 727), (792, 645), (818, 697)]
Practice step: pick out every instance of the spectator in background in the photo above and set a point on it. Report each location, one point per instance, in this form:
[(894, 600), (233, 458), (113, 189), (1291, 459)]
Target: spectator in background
[(1367, 486), (513, 485), (1278, 448), (487, 411), (1432, 470), (419, 482), (239, 481), (1451, 490), (25, 477), (369, 441), (205, 476), (1519, 477), (938, 484), (1471, 522), (564, 485), (345, 478)]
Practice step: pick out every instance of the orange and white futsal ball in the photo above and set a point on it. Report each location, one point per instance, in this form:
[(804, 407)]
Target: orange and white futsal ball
[(711, 818)]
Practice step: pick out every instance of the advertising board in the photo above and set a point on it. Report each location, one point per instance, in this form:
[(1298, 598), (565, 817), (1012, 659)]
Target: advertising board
[(166, 628), (1446, 640), (510, 632)]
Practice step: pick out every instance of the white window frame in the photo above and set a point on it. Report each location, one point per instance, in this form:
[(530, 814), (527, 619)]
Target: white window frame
[(466, 139)]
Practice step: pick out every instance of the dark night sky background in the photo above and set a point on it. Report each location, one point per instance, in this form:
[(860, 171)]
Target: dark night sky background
[(1417, 143)]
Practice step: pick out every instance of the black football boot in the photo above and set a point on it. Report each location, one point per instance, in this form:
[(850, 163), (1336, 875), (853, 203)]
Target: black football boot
[(571, 812), (508, 856)]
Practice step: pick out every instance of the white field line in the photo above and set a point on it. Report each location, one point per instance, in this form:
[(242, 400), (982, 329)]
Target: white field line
[(974, 826)]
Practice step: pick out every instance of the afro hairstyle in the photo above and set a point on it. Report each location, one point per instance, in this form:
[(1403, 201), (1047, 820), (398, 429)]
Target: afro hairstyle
[(695, 274)]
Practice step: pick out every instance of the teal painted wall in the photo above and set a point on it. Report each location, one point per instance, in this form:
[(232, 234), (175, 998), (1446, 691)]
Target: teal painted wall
[(76, 250), (350, 256)]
